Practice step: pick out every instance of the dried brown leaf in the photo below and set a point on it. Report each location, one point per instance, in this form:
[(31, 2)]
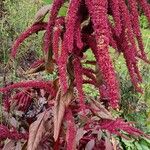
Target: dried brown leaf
[(98, 75), (37, 130), (90, 145), (79, 135), (114, 143), (35, 70), (61, 103), (100, 110), (99, 135), (13, 122), (18, 146), (41, 13), (24, 147), (10, 145), (59, 110), (56, 84), (108, 145)]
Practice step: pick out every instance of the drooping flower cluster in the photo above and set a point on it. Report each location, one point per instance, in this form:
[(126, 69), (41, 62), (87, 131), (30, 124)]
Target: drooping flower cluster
[(95, 25), (69, 36)]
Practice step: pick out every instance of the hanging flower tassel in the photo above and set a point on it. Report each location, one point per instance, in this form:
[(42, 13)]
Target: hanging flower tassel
[(33, 29), (98, 12)]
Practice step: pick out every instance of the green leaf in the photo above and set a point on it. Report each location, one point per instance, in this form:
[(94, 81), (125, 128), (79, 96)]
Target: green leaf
[(62, 11), (138, 146), (47, 1), (147, 140), (144, 145), (128, 143)]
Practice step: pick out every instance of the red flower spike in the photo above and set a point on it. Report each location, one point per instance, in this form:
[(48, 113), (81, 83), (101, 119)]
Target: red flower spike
[(136, 70), (112, 34), (56, 41), (71, 131), (98, 12), (33, 29), (128, 45), (71, 19), (146, 8), (116, 15), (128, 32), (131, 68), (136, 24), (130, 59), (62, 68), (47, 86), (49, 30), (78, 72), (134, 17), (113, 126), (78, 36)]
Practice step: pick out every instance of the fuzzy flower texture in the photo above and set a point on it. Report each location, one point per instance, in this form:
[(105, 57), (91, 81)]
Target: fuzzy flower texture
[(94, 25)]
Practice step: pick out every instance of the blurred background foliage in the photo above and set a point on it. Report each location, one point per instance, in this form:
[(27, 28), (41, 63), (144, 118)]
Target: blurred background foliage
[(16, 16)]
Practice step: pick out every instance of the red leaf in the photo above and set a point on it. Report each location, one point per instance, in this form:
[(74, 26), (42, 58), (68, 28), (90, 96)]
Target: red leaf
[(10, 145), (37, 130), (61, 103)]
